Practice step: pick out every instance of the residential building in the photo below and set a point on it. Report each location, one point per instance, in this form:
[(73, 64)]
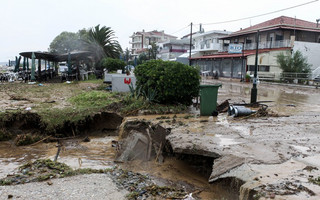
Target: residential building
[(280, 35), (203, 43), (171, 49), (141, 40), (208, 43)]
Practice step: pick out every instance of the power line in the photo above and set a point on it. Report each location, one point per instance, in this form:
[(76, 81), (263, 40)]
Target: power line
[(180, 29), (235, 20)]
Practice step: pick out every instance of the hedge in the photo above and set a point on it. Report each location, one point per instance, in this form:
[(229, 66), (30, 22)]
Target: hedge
[(172, 82)]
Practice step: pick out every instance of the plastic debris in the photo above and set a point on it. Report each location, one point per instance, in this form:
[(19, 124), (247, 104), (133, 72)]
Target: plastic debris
[(237, 111), (28, 108)]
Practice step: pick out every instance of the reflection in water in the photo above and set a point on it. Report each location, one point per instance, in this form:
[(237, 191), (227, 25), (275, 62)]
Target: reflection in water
[(285, 99)]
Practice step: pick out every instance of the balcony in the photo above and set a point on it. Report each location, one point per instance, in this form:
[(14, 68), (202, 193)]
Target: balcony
[(263, 45), (208, 47), (167, 50), (269, 45), (135, 42)]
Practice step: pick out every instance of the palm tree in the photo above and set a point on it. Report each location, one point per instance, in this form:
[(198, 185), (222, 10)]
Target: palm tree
[(102, 42)]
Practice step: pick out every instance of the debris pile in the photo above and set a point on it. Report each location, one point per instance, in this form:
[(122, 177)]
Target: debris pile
[(142, 187)]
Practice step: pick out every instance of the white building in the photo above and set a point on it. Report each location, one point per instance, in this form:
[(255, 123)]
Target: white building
[(204, 43), (207, 43), (141, 40), (171, 49)]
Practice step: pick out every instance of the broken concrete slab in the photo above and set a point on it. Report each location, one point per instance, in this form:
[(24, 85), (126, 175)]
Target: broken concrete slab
[(141, 140), (223, 165)]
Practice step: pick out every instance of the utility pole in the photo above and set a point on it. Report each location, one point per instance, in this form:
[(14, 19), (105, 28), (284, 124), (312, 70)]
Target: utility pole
[(254, 88), (190, 45), (242, 63)]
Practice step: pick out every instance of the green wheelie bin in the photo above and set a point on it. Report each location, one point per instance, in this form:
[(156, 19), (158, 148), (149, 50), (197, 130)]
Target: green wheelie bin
[(208, 99)]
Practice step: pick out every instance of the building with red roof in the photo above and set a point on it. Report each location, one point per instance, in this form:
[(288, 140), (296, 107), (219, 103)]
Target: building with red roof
[(279, 35)]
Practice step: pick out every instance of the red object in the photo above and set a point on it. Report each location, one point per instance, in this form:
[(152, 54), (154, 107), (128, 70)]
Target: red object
[(127, 81)]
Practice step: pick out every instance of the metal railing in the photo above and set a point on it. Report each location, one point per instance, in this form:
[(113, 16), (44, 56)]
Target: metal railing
[(268, 45), (262, 45), (297, 76), (300, 78)]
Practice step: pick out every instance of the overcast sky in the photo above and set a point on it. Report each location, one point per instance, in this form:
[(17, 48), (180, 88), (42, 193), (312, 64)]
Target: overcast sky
[(31, 25)]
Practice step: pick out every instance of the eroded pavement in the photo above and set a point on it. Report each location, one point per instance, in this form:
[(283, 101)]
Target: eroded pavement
[(274, 156)]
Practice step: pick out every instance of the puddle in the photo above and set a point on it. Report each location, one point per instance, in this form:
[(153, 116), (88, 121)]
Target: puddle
[(97, 154), (302, 149), (225, 141), (286, 99), (244, 131)]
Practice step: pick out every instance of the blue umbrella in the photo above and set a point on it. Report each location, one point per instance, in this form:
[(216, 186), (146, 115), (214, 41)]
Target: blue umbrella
[(33, 66)]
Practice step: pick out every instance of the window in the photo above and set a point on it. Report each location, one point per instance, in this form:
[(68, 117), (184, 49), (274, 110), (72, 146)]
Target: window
[(248, 40), (261, 68), (279, 37)]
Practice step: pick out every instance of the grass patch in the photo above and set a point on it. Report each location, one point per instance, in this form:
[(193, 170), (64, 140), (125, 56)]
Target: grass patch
[(92, 99)]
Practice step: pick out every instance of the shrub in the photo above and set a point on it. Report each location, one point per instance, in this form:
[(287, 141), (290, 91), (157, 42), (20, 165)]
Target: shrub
[(296, 64), (169, 82), (112, 64)]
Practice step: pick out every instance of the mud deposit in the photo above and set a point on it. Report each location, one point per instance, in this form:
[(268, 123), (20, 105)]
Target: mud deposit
[(220, 157)]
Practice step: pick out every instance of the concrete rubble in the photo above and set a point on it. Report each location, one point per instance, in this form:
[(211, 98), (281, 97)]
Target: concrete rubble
[(141, 140)]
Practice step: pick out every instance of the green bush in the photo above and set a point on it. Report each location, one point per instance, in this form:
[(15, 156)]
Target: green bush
[(112, 64), (168, 82), (296, 63)]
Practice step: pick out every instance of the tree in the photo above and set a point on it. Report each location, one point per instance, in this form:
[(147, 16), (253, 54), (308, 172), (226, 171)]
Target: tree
[(102, 42), (65, 42), (112, 64), (167, 81), (142, 58), (296, 64), (153, 51)]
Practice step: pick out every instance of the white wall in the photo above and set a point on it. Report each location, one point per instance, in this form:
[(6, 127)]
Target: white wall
[(268, 59), (309, 50)]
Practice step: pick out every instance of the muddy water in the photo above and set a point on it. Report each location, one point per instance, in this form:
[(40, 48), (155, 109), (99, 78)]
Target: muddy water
[(285, 99), (97, 154), (177, 172)]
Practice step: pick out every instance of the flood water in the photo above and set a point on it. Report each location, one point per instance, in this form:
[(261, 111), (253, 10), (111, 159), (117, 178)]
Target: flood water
[(285, 99), (98, 153)]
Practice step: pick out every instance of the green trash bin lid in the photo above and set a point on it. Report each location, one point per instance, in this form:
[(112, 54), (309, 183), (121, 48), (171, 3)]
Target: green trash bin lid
[(207, 86)]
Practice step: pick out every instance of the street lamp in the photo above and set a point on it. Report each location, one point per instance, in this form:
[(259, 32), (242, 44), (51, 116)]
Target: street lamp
[(149, 48)]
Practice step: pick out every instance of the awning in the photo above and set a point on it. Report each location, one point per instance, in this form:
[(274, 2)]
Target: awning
[(75, 55)]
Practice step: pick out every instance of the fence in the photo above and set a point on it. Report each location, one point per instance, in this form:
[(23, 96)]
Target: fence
[(304, 78)]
